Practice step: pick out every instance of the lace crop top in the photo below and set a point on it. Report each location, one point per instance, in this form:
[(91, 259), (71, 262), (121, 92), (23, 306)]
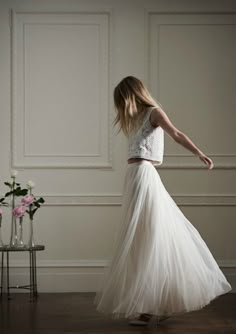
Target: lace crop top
[(147, 141)]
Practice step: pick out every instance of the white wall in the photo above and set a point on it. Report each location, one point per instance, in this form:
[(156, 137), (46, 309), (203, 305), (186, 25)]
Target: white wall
[(60, 61)]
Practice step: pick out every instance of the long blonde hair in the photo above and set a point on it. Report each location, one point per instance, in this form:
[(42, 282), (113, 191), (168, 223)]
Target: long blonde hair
[(131, 99)]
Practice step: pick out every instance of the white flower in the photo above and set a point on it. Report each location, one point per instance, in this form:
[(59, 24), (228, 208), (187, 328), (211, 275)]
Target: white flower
[(30, 184), (14, 173)]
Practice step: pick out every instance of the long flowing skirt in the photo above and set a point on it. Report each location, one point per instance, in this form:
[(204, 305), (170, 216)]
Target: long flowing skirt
[(160, 264)]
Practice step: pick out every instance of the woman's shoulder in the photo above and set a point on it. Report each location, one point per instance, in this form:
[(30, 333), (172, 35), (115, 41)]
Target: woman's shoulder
[(156, 113), (143, 118), (148, 113)]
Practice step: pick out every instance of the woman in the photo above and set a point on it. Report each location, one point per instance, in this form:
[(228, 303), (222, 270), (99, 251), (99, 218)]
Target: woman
[(161, 266)]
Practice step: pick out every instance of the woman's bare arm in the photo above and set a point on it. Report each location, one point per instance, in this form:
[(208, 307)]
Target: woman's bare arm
[(159, 118)]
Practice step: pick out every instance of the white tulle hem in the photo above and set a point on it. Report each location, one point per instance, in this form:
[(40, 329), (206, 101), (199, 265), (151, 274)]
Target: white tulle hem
[(160, 265)]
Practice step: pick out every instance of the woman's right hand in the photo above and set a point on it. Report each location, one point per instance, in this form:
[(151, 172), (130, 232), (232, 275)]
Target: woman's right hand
[(206, 160)]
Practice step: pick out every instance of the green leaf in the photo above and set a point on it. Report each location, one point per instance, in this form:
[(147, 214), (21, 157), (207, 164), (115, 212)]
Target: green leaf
[(41, 200), (8, 184), (8, 193), (33, 212), (21, 192), (2, 203)]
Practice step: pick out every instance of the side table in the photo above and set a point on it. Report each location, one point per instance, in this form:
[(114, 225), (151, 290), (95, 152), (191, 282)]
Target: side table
[(32, 266)]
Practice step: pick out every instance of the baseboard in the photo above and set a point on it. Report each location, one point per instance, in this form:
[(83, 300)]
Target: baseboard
[(75, 279)]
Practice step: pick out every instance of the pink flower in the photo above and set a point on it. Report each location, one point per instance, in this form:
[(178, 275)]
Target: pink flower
[(19, 211), (27, 200), (0, 211)]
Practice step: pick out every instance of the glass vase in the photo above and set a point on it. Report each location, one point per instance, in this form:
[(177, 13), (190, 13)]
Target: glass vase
[(14, 237), (20, 241), (31, 233), (1, 242)]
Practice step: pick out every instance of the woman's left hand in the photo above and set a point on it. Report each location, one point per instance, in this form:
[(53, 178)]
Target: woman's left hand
[(206, 160)]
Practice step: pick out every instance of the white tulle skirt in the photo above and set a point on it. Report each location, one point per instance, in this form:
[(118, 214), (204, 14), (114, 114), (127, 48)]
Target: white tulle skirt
[(160, 265)]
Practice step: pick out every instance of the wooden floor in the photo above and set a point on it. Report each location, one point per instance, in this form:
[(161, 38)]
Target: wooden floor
[(56, 313)]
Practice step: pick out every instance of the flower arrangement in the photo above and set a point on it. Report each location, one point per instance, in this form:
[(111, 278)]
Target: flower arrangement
[(28, 204)]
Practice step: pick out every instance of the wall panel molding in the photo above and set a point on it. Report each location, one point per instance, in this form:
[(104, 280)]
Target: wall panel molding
[(78, 149), (52, 200), (154, 21), (116, 200)]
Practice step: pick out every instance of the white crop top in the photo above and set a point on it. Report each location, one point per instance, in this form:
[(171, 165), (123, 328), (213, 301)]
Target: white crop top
[(147, 141)]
